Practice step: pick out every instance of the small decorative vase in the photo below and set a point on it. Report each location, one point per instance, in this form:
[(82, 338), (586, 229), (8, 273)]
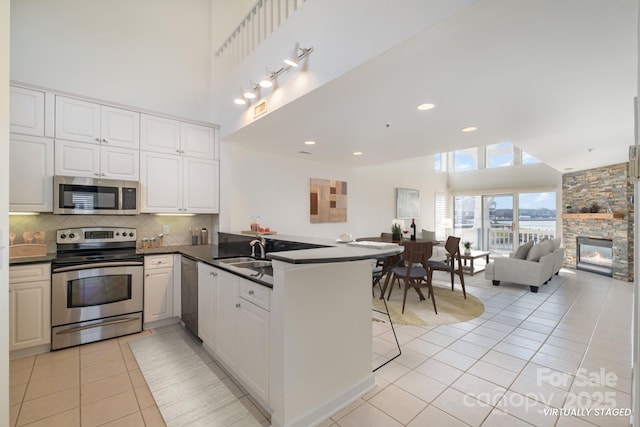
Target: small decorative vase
[(395, 237), (467, 251)]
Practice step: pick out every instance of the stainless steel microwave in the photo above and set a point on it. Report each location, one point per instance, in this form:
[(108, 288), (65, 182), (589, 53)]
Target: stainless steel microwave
[(80, 195)]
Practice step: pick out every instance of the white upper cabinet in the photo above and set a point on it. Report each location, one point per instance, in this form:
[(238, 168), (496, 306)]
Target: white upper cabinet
[(120, 128), (84, 121), (174, 184), (197, 141), (200, 185), (90, 160), (30, 174), (77, 120), (27, 112), (162, 135), (161, 183), (159, 134)]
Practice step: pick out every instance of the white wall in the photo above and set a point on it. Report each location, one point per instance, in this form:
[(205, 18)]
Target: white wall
[(4, 211), (151, 54), (277, 189)]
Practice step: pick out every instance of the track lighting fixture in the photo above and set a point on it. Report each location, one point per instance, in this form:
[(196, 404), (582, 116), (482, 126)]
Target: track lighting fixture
[(267, 82)]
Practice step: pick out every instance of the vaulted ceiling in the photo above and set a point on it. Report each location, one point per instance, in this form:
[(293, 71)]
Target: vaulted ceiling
[(555, 78)]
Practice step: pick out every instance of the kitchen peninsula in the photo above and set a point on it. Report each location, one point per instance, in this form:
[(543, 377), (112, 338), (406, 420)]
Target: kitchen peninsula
[(320, 342)]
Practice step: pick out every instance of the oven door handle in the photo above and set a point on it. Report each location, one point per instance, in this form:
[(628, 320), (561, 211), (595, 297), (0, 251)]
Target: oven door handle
[(98, 265), (97, 325)]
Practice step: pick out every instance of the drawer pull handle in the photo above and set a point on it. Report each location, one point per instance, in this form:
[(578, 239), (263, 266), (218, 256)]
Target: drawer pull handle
[(251, 292), (238, 305), (213, 273)]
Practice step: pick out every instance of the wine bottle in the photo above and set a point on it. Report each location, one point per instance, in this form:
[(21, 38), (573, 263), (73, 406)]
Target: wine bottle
[(413, 229)]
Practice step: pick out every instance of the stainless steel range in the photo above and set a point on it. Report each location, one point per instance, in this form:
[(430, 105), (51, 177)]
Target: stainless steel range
[(96, 286)]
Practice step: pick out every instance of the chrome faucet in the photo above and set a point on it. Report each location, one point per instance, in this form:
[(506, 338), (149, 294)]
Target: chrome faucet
[(262, 243)]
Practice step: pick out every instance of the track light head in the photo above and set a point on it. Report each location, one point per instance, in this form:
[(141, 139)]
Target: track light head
[(291, 62)]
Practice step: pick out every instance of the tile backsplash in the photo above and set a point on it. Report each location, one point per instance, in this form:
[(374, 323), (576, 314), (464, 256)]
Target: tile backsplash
[(146, 225)]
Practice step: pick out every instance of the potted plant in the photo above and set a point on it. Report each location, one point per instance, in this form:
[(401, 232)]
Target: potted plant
[(396, 231), (467, 247)]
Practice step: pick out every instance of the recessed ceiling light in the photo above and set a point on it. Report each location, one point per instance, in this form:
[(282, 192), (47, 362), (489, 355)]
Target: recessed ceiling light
[(309, 142), (291, 62), (265, 83), (424, 107), (469, 129), (357, 153), (239, 101), (249, 95)]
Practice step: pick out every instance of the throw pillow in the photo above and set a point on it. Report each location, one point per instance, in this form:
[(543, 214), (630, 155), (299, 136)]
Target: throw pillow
[(556, 242), (534, 253), (547, 247), (429, 235), (523, 250)]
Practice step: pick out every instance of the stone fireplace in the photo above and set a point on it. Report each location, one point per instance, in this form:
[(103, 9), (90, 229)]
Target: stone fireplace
[(608, 187)]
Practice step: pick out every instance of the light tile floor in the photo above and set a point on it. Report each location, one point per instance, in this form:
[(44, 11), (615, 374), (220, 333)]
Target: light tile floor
[(529, 359)]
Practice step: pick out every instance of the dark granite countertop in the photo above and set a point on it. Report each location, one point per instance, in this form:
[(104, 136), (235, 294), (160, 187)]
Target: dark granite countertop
[(32, 260)]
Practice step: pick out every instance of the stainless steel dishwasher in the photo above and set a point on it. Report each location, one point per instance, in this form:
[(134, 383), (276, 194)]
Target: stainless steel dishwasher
[(189, 294)]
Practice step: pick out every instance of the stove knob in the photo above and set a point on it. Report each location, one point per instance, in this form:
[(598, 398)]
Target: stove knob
[(131, 234), (71, 235), (63, 236), (117, 233)]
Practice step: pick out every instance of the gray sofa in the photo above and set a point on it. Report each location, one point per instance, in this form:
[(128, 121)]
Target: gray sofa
[(531, 264)]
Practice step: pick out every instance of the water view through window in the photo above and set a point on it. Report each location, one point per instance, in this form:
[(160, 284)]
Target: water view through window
[(500, 223)]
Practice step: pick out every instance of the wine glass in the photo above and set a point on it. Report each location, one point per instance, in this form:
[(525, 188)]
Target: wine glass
[(405, 232)]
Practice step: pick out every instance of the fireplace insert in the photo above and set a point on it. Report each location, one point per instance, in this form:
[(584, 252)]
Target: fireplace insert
[(595, 255)]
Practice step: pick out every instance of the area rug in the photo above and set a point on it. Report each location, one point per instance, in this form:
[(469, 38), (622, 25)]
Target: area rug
[(452, 307), (186, 390)]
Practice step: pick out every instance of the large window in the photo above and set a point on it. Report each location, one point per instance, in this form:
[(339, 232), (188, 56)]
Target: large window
[(500, 223), (465, 160), (499, 155), (528, 159)]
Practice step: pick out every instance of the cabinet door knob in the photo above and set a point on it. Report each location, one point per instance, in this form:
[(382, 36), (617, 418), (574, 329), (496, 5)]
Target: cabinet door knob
[(147, 274), (213, 273), (96, 174), (97, 139), (178, 151), (251, 292), (238, 305), (105, 141)]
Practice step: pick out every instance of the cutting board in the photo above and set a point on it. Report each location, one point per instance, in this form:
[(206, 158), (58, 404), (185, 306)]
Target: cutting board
[(259, 233), (24, 251)]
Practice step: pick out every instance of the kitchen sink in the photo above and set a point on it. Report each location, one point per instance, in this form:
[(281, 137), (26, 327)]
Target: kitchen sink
[(236, 260), (252, 264)]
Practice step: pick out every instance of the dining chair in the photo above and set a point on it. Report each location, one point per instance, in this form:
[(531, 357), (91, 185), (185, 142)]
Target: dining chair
[(452, 246), (414, 271)]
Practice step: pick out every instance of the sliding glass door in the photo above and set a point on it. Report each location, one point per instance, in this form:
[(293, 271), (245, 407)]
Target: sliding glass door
[(499, 223)]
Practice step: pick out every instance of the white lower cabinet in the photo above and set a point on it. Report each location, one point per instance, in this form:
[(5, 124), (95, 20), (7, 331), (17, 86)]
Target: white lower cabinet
[(252, 349), (236, 326), (29, 306), (207, 287), (158, 287)]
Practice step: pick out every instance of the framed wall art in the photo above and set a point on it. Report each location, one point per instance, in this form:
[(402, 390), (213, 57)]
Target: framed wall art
[(407, 203), (327, 200)]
